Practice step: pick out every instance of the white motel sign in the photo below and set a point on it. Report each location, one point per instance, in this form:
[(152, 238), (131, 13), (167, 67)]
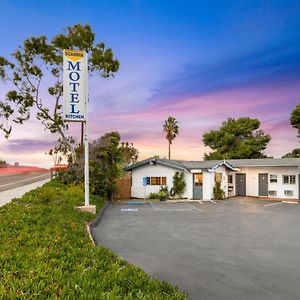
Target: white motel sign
[(75, 74), (75, 85)]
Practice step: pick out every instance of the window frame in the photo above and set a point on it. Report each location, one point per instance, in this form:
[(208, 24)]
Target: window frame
[(288, 179), (272, 193), (156, 180), (273, 178), (198, 179), (289, 193), (218, 177)]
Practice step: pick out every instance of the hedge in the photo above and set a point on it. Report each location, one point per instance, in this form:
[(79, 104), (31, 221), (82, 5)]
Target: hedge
[(45, 253)]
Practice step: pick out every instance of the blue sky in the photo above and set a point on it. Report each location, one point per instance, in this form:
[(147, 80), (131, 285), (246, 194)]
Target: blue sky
[(200, 61)]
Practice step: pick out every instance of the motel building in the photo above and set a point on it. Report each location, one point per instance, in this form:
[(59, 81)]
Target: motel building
[(270, 178)]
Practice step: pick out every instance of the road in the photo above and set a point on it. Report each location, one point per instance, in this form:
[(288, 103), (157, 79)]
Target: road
[(12, 181), (15, 185)]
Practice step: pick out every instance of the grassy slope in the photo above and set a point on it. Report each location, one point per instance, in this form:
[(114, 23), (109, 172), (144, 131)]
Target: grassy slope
[(45, 253)]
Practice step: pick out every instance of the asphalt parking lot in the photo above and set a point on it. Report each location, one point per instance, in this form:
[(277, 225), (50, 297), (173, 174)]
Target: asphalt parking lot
[(232, 249)]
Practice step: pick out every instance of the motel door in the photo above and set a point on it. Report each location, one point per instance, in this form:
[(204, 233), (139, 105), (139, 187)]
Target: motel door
[(198, 186), (240, 184), (263, 184)]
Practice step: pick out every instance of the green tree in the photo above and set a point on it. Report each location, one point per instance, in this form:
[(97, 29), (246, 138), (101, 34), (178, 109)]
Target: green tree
[(294, 154), (2, 163), (106, 164), (107, 158), (236, 139), (295, 122), (179, 184), (295, 118), (171, 129), (129, 153), (36, 67)]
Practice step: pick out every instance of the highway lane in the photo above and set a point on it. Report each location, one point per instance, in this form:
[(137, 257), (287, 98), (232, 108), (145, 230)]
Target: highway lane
[(12, 181)]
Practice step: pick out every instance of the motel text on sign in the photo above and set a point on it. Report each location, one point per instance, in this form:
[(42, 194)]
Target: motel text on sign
[(75, 85)]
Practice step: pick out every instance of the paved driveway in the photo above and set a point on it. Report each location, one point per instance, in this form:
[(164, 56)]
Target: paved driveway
[(233, 249)]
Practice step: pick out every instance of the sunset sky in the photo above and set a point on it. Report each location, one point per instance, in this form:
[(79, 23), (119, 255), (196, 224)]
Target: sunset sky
[(199, 61)]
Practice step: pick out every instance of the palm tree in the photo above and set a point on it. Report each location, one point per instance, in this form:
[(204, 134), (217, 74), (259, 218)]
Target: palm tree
[(171, 129)]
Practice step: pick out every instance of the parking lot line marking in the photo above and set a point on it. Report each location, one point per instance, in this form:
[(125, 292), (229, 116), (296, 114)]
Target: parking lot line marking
[(271, 204), (194, 207), (152, 205), (206, 201), (173, 207)]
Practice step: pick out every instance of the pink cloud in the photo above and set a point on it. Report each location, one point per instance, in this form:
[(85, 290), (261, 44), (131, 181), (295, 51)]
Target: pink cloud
[(197, 115)]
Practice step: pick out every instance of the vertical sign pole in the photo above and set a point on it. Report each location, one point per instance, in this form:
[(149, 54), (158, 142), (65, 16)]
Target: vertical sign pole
[(86, 143), (144, 184)]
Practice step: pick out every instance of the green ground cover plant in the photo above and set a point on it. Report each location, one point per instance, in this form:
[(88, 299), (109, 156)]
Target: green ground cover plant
[(45, 253)]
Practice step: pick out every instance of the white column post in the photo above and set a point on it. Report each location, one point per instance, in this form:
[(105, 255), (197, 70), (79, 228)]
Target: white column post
[(86, 144)]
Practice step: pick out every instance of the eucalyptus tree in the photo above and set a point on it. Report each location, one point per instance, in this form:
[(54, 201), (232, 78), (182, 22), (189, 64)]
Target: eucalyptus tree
[(34, 76), (171, 129)]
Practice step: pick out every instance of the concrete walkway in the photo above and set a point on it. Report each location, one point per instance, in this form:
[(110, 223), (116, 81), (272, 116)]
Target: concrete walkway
[(7, 196)]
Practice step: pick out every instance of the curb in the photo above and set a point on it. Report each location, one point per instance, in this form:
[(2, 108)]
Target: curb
[(95, 222), (88, 229)]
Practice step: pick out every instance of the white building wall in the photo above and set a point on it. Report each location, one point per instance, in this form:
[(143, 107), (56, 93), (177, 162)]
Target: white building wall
[(252, 175), (224, 182), (252, 180), (139, 191), (189, 180), (208, 185), (209, 182)]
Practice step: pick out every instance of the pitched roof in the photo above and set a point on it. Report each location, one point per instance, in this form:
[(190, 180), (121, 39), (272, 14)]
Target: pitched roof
[(184, 165), (153, 161), (265, 162)]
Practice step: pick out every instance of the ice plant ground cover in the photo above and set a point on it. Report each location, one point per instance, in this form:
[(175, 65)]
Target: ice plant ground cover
[(46, 253)]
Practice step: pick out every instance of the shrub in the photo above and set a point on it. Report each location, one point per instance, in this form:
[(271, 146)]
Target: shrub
[(219, 194), (162, 194), (153, 195), (45, 253), (178, 184)]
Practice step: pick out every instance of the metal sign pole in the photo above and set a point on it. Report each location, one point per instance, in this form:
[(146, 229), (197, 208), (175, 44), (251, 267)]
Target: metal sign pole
[(144, 184), (76, 98), (86, 144)]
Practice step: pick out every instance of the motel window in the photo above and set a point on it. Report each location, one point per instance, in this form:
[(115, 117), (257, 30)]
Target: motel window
[(292, 179), (273, 193), (156, 180), (218, 177), (289, 179), (288, 193), (273, 178), (230, 179), (198, 179)]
